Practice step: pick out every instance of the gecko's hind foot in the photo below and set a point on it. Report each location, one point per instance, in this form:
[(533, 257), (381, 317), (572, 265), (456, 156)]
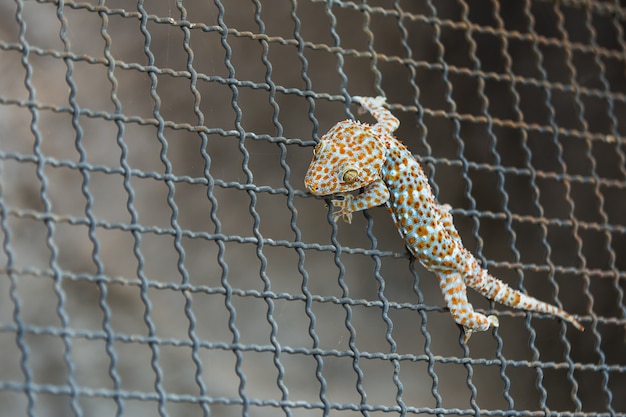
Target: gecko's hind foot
[(492, 321)]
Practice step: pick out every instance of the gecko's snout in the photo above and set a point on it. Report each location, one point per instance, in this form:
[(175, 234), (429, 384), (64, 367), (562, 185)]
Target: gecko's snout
[(311, 187)]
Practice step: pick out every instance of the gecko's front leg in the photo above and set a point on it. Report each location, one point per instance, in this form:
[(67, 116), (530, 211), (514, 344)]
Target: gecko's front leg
[(387, 123), (373, 195)]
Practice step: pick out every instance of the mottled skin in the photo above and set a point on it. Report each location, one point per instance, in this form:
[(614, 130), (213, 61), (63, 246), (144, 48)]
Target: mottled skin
[(354, 155)]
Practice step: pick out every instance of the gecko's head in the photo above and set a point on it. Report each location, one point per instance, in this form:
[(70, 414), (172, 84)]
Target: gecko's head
[(347, 158)]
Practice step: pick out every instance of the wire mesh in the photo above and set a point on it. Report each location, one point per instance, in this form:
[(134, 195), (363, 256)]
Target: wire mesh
[(160, 256)]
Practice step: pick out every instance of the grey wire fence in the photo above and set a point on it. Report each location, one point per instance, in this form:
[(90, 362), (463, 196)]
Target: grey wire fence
[(160, 256)]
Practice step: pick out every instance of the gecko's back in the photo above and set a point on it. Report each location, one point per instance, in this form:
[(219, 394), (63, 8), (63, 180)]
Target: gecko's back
[(425, 226)]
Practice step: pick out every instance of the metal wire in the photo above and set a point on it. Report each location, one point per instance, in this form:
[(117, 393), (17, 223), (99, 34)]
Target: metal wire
[(160, 256)]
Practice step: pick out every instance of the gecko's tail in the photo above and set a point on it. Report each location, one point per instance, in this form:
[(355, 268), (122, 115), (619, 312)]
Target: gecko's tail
[(496, 290)]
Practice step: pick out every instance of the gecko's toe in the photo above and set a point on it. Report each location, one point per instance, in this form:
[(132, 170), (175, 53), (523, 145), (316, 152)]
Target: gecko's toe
[(493, 321), (468, 334)]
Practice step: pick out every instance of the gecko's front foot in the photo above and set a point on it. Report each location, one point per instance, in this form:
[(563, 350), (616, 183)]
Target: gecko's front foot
[(369, 102), (343, 208)]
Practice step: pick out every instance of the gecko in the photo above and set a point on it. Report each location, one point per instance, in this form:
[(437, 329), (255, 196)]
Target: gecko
[(359, 156)]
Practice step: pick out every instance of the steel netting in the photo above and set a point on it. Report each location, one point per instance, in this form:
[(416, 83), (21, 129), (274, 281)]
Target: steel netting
[(160, 256)]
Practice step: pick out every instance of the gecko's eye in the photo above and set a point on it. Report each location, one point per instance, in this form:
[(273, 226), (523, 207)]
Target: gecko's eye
[(350, 175)]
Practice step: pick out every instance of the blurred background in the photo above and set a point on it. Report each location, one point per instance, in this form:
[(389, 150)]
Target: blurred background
[(160, 255)]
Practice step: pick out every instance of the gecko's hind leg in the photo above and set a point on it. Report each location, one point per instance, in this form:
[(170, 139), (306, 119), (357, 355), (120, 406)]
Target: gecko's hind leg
[(454, 294)]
